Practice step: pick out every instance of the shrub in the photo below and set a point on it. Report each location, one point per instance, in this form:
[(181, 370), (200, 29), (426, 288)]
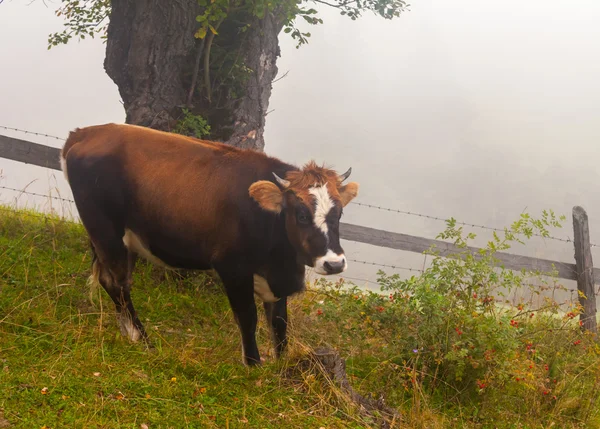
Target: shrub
[(448, 336), (192, 125)]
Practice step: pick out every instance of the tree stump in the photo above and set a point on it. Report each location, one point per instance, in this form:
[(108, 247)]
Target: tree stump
[(334, 367)]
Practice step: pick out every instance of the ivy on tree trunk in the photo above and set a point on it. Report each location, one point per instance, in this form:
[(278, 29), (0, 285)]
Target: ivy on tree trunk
[(154, 67)]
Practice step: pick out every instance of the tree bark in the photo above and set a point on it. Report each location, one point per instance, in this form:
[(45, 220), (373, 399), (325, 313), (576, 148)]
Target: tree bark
[(148, 44), (260, 54), (151, 55)]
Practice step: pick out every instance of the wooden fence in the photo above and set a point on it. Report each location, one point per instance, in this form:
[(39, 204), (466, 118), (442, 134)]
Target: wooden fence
[(582, 270)]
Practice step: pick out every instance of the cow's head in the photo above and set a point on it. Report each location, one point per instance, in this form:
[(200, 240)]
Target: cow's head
[(311, 200)]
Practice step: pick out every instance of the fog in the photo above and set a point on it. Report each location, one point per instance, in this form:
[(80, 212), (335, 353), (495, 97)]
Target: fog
[(476, 110)]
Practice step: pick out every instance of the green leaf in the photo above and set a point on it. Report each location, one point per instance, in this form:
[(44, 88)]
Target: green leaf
[(212, 29), (201, 33)]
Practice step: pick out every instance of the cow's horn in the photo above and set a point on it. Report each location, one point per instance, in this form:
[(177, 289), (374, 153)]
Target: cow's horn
[(345, 175), (284, 183)]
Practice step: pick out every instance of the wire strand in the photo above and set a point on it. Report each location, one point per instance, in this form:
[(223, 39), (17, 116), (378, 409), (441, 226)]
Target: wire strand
[(395, 267), (31, 132), (35, 194), (473, 225), (342, 277)]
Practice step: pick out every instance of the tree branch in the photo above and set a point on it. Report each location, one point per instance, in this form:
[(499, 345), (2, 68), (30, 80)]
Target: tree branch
[(195, 73), (279, 78), (209, 41), (347, 2)]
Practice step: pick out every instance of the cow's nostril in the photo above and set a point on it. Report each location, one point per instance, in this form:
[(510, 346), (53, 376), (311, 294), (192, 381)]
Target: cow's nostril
[(334, 267)]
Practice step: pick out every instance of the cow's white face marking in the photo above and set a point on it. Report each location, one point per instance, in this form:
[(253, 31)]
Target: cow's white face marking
[(332, 258), (262, 289), (134, 244), (324, 204)]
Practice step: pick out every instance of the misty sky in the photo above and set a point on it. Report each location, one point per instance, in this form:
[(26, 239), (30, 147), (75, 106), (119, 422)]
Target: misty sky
[(472, 109)]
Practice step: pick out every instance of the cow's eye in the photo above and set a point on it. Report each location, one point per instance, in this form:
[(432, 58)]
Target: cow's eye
[(303, 218)]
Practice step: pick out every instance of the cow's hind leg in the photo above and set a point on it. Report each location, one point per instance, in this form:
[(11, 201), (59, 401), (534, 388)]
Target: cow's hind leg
[(112, 265)]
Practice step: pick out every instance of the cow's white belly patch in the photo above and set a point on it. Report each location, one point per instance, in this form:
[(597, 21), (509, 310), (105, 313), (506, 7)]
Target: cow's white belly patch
[(262, 289), (135, 244)]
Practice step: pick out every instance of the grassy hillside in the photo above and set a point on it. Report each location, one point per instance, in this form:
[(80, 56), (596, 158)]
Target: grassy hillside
[(437, 354)]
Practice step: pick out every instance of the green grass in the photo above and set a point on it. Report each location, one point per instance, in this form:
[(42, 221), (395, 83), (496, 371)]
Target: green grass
[(51, 336), (54, 337)]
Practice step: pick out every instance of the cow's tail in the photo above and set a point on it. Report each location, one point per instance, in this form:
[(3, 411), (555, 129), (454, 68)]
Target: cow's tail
[(94, 279), (74, 137)]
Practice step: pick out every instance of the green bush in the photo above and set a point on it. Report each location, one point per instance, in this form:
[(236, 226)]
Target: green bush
[(448, 335), (192, 125)]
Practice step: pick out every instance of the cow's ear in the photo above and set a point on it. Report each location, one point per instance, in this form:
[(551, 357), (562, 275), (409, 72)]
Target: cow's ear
[(348, 192), (267, 195)]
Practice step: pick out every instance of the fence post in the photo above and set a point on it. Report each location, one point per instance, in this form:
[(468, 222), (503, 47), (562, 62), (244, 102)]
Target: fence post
[(585, 269)]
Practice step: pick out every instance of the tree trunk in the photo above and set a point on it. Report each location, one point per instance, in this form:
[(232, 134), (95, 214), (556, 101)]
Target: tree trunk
[(260, 55), (151, 55)]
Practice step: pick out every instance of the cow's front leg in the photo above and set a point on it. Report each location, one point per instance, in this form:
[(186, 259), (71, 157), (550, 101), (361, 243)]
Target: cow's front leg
[(277, 318), (246, 318), (240, 292)]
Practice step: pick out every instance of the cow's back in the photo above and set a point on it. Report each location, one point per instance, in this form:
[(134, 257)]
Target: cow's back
[(182, 196)]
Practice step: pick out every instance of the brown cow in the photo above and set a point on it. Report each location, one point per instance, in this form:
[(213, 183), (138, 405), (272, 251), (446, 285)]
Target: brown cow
[(187, 203)]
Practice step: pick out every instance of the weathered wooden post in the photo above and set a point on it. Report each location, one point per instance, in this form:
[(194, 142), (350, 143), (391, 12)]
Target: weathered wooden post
[(585, 269)]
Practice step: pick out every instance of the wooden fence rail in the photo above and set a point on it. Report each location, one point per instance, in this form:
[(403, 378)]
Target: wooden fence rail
[(582, 271), (29, 153), (410, 243)]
